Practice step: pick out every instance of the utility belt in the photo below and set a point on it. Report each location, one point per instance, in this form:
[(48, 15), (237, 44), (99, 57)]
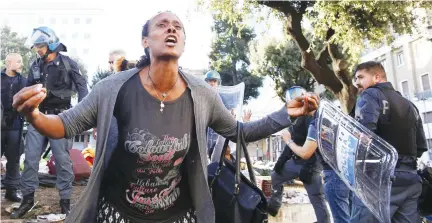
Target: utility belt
[(406, 161), (295, 157), (299, 160), (51, 110)]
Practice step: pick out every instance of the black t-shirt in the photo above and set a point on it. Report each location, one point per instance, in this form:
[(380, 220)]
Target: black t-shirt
[(146, 178)]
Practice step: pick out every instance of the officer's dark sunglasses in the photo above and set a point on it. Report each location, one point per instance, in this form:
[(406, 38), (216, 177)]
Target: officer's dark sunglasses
[(110, 62)]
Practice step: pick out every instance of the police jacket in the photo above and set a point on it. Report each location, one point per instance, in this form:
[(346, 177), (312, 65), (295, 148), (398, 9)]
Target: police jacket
[(9, 87), (60, 77), (392, 117)]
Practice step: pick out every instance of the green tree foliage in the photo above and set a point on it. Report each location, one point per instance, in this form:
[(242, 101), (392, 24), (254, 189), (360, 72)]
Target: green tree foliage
[(11, 42), (345, 28), (230, 57), (99, 75)]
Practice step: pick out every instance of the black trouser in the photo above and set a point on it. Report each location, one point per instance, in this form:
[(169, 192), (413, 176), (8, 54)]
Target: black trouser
[(12, 149)]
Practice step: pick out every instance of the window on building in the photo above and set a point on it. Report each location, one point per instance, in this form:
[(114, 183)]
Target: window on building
[(88, 21), (399, 59), (86, 51), (425, 82), (87, 36), (53, 21), (77, 21), (405, 89), (427, 117), (65, 21), (41, 21), (75, 35)]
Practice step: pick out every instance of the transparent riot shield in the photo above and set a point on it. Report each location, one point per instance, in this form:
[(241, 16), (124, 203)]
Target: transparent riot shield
[(363, 160), (232, 97)]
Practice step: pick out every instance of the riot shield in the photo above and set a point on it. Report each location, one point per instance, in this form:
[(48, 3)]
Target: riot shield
[(363, 160), (232, 97)]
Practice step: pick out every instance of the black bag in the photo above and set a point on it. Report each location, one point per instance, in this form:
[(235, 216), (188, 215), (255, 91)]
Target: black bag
[(425, 200), (236, 199)]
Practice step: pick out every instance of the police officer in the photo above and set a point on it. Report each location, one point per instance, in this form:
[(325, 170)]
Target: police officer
[(58, 74), (290, 166), (11, 82), (395, 119), (337, 193), (213, 78)]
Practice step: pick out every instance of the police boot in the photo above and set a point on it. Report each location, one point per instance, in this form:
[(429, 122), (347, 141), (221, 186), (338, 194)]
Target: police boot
[(13, 195), (272, 210), (65, 206), (26, 205)]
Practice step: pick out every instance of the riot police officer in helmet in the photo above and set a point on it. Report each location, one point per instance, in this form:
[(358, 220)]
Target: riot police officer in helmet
[(12, 123), (395, 119), (213, 78), (60, 76)]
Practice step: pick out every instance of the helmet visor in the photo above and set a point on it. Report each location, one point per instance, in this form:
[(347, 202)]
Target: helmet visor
[(294, 92), (37, 38)]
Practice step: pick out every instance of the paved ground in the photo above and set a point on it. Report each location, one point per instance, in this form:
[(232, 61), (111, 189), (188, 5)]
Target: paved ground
[(48, 203)]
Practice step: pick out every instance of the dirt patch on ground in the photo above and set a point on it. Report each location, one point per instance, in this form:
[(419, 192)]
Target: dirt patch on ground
[(48, 202)]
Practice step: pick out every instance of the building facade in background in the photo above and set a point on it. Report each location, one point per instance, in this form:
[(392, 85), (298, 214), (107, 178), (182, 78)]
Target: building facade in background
[(73, 22)]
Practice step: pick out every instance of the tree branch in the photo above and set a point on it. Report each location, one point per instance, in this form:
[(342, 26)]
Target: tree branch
[(282, 6), (324, 54), (340, 65), (323, 57)]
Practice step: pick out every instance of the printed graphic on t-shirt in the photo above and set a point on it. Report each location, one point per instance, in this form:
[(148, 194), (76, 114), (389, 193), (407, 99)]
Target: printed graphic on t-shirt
[(157, 173)]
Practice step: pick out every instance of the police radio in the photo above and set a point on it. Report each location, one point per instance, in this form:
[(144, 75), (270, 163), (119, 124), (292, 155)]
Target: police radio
[(36, 74)]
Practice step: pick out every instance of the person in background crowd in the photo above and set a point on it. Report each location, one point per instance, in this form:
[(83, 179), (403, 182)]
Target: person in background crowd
[(12, 124), (113, 56)]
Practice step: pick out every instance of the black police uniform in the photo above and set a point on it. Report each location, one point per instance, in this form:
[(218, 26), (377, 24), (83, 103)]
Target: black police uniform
[(59, 76), (11, 130), (395, 119), (289, 166)]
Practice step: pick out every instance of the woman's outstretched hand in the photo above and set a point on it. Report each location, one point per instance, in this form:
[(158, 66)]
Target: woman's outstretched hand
[(27, 100), (303, 105)]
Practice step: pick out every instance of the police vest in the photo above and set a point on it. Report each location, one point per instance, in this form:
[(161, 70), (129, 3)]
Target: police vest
[(397, 123), (58, 81), (300, 129)]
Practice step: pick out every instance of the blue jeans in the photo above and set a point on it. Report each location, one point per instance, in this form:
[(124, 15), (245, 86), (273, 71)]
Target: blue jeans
[(405, 192), (338, 196), (11, 148)]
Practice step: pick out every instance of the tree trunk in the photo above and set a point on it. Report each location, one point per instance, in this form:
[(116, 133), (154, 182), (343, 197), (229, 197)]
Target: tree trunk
[(337, 80)]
